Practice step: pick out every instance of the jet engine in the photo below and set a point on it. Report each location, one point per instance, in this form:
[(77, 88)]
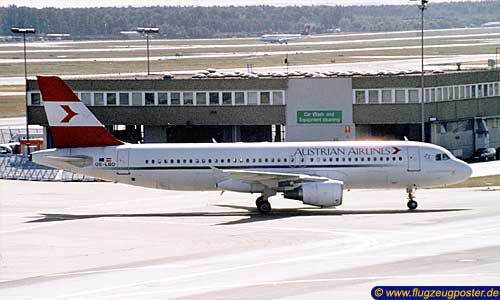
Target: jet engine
[(323, 194)]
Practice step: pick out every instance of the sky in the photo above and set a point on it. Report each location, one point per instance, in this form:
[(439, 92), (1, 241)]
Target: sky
[(121, 3)]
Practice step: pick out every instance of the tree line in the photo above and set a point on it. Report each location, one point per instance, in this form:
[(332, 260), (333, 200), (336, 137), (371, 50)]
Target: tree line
[(232, 21)]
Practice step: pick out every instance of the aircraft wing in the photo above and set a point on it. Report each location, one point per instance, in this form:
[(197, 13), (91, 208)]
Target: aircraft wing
[(272, 179)]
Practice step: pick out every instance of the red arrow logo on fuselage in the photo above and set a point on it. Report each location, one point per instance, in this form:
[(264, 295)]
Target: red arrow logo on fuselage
[(396, 150), (70, 113)]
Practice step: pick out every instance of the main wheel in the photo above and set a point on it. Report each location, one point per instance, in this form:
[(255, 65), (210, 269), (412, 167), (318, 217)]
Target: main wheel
[(412, 204), (259, 200), (264, 207)]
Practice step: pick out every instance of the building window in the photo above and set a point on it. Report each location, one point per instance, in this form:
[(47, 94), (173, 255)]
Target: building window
[(175, 98), (467, 91), (479, 91), (239, 98), (360, 97), (162, 98), (149, 99), (450, 93), (485, 90), (373, 96), (265, 98), (86, 98), (496, 92), (386, 96), (201, 98), (473, 91), (137, 99), (413, 96), (98, 99), (278, 98), (227, 98), (124, 99), (433, 95), (252, 98), (213, 98), (461, 93), (400, 96), (445, 94), (439, 94), (111, 99), (427, 95), (187, 98)]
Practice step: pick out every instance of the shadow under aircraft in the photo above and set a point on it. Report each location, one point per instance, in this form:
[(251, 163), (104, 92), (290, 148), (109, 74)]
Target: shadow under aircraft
[(248, 214)]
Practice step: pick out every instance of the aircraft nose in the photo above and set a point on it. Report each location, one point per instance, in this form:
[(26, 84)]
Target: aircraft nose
[(465, 171)]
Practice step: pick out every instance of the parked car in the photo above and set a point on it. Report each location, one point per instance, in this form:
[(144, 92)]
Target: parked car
[(498, 153), (485, 154)]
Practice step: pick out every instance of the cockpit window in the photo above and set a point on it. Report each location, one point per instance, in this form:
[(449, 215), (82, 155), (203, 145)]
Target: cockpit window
[(442, 156)]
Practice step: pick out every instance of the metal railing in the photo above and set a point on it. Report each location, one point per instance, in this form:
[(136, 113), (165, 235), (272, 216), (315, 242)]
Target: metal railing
[(19, 167)]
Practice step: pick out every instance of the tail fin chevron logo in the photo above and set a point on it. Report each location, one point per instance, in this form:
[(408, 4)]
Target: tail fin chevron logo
[(70, 113)]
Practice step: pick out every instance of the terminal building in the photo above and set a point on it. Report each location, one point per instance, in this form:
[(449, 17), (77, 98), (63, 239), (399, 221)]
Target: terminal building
[(462, 108)]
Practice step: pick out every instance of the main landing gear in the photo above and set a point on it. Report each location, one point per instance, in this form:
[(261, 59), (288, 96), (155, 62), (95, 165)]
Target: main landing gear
[(412, 204), (263, 205)]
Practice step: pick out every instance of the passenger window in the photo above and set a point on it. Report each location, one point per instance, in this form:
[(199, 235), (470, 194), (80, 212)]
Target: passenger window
[(248, 160), (394, 158), (260, 159), (446, 157), (438, 156), (400, 158), (165, 161), (241, 160), (331, 159), (190, 161), (184, 161), (203, 161), (374, 159), (159, 161), (343, 158), (387, 158), (362, 159), (278, 160), (368, 159), (152, 161), (324, 159), (254, 160), (216, 160), (272, 160), (285, 160), (312, 159), (197, 161), (349, 159), (337, 159), (266, 160), (146, 161), (209, 161), (171, 161)]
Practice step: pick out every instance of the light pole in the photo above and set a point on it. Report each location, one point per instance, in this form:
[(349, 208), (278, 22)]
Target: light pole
[(24, 32), (422, 6), (147, 32)]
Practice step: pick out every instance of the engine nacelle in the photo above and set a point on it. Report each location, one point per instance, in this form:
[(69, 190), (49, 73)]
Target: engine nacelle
[(324, 194)]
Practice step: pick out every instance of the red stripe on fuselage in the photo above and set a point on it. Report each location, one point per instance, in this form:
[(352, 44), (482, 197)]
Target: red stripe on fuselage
[(54, 89), (82, 136)]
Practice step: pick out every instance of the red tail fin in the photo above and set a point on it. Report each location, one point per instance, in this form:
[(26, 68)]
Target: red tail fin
[(72, 124)]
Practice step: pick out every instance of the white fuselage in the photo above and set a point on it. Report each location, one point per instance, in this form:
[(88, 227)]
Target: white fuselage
[(198, 167)]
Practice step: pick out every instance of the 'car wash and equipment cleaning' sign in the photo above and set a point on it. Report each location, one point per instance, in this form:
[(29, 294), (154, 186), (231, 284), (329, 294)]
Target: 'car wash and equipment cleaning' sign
[(319, 117)]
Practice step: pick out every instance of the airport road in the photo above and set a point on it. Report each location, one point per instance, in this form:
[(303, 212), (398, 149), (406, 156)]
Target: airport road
[(110, 241)]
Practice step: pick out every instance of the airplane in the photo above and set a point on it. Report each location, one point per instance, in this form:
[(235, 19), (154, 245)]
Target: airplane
[(280, 38), (316, 173)]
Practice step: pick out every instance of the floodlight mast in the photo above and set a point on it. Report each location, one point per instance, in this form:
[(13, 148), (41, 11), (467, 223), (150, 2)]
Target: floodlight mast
[(147, 31), (24, 32), (422, 6)]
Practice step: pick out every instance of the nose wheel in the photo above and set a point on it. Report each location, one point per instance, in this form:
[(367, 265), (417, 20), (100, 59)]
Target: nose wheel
[(412, 204), (263, 205)]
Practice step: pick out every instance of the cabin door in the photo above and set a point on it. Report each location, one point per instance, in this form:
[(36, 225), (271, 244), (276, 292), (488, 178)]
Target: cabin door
[(122, 162), (413, 159)]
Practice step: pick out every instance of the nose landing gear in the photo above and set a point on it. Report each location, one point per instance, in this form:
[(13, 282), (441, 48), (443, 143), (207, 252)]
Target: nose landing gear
[(412, 204)]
